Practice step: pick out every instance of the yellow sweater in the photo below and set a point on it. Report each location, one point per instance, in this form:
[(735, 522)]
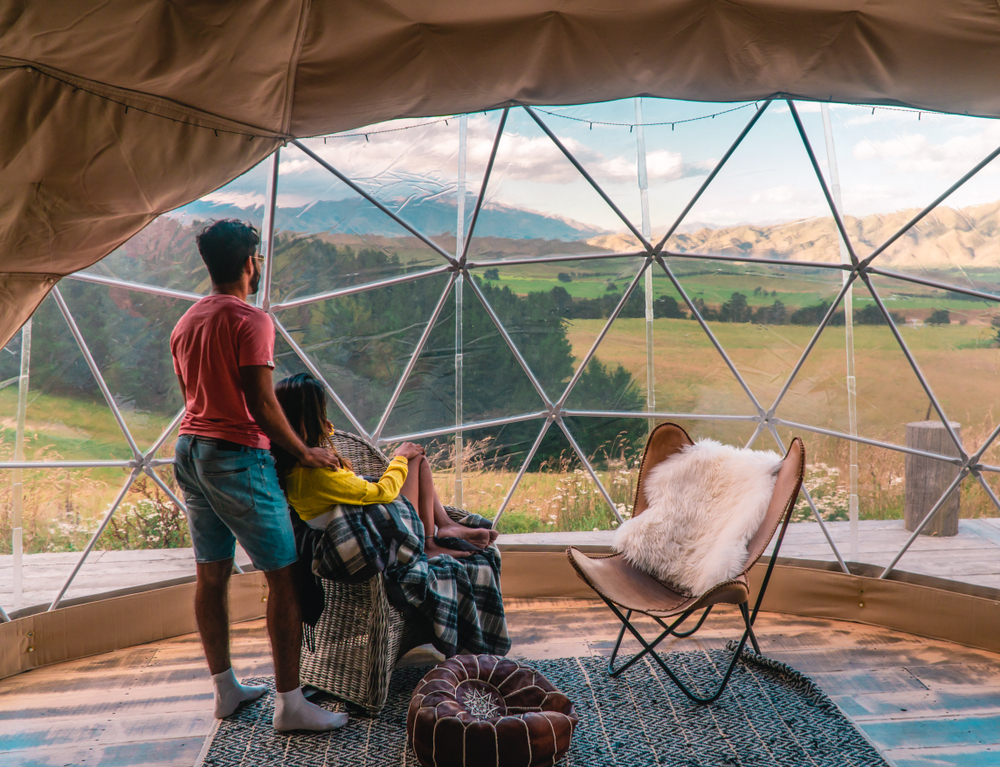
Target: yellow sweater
[(312, 492)]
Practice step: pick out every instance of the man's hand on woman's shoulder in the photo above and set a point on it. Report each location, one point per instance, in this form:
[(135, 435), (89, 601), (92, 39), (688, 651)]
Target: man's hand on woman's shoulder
[(319, 458)]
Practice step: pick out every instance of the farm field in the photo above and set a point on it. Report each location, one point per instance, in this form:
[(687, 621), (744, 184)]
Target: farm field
[(714, 282), (692, 377), (960, 360)]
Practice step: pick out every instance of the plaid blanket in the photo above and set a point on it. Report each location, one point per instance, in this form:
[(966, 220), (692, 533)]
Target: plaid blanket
[(460, 598)]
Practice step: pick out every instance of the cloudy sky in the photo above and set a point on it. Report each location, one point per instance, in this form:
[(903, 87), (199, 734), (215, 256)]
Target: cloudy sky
[(887, 160)]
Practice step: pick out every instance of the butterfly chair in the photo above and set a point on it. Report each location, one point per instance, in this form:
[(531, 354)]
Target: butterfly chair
[(360, 635), (627, 590)]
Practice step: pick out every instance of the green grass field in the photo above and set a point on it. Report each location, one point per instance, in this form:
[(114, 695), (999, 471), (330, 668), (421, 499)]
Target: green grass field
[(715, 284), (691, 376), (960, 361), (67, 428)]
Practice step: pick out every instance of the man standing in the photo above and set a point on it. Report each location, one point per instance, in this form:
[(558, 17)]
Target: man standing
[(223, 352)]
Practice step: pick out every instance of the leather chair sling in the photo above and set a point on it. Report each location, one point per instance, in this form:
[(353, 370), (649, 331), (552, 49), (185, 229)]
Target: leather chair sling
[(627, 590)]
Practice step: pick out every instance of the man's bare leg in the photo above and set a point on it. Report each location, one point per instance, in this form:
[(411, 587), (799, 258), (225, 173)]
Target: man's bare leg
[(211, 612), (284, 627), (415, 491)]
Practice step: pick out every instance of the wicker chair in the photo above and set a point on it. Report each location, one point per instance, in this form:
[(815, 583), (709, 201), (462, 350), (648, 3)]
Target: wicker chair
[(360, 636)]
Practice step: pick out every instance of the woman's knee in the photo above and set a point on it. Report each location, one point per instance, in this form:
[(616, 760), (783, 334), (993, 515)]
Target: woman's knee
[(425, 466)]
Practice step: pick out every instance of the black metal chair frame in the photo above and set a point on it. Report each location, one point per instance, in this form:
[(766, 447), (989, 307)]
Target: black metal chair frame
[(671, 630)]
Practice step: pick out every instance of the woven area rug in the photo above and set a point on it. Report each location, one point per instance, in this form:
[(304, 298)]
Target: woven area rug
[(769, 715)]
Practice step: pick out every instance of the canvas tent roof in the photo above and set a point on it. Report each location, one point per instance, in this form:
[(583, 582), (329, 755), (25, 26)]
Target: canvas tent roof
[(114, 112)]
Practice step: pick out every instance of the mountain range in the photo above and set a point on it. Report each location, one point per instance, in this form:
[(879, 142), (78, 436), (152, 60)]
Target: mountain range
[(431, 216), (946, 238)]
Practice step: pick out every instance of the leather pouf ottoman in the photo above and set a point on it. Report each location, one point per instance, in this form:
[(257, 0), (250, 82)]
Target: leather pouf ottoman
[(487, 711)]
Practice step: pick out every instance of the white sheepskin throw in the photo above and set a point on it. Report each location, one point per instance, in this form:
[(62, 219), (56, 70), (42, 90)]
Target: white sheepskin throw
[(704, 505)]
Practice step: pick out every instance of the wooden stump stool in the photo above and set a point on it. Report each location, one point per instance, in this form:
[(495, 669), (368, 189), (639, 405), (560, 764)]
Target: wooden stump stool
[(927, 478)]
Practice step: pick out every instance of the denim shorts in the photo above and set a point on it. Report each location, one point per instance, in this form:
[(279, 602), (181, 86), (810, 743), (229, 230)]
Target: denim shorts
[(232, 494)]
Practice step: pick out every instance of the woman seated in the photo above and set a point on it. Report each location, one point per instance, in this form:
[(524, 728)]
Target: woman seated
[(312, 492), (355, 527)]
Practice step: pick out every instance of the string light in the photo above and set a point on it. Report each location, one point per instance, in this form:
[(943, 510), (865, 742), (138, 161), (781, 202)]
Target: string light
[(366, 134), (631, 126), (591, 123)]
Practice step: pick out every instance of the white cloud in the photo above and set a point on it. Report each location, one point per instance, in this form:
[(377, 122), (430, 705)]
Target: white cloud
[(429, 154), (915, 152), (776, 194), (239, 199), (865, 198), (286, 200), (290, 167)]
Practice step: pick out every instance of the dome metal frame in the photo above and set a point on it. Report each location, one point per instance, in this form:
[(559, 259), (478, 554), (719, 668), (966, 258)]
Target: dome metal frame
[(855, 271)]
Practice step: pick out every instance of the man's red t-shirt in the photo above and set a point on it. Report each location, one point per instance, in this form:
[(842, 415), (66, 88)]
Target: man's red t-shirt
[(214, 338)]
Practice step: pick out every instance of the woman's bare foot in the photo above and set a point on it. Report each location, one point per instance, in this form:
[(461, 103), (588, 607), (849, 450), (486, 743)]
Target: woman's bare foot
[(432, 549), (477, 536)]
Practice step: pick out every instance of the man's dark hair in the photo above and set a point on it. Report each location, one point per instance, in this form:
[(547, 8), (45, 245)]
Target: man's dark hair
[(225, 247)]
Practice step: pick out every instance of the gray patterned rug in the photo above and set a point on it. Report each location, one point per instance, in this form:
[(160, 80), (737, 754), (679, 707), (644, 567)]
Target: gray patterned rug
[(769, 715)]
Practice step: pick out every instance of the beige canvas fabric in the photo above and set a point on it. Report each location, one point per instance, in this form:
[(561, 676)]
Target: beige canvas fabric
[(212, 88)]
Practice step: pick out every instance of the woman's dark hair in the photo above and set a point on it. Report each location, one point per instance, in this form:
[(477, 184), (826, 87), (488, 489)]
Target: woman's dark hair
[(225, 247), (304, 401)]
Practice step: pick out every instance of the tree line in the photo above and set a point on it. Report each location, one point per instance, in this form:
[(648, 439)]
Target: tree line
[(361, 343)]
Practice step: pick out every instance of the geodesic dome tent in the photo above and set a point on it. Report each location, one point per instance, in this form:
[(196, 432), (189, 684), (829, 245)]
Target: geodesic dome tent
[(522, 227)]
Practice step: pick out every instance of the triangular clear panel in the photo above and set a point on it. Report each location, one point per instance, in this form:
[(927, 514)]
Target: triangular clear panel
[(766, 202), (128, 334), (60, 510), (557, 494), (67, 417), (331, 237), (889, 394), (689, 376), (952, 338), (602, 137), (362, 343), (684, 142), (554, 312), (412, 166), (894, 162), (146, 519), (537, 202), (763, 316), (495, 385)]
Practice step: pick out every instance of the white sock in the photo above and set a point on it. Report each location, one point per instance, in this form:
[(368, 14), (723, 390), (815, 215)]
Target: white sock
[(229, 693), (293, 712)]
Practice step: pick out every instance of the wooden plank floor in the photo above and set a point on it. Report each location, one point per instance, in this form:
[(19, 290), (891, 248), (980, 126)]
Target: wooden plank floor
[(922, 702), (972, 556)]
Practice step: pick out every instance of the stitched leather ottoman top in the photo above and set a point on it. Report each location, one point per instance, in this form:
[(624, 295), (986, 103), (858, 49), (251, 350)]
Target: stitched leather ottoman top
[(487, 711)]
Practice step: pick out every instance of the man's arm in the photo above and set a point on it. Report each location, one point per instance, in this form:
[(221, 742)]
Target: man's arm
[(258, 388)]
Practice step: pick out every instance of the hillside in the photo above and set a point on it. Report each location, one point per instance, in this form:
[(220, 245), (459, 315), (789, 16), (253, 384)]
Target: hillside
[(430, 216), (946, 238)]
